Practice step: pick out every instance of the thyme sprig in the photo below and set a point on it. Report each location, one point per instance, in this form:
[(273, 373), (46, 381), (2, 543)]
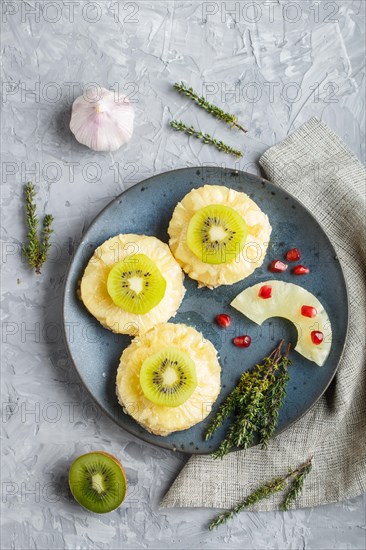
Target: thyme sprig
[(205, 138), (254, 404), (228, 118), (297, 484), (229, 404), (274, 399), (36, 249), (275, 485)]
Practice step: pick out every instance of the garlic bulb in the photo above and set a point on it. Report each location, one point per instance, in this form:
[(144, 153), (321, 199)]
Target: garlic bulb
[(103, 121)]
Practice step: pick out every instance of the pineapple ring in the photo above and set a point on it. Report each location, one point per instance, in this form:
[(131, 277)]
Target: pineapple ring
[(286, 301), (159, 419), (94, 293), (251, 257)]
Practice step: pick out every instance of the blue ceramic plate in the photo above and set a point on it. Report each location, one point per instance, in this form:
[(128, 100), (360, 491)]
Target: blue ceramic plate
[(147, 208)]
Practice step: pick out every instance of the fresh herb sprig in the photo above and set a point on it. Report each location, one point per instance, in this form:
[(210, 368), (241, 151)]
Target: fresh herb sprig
[(229, 405), (36, 250), (206, 138), (228, 118), (274, 399), (254, 404), (293, 480), (297, 484)]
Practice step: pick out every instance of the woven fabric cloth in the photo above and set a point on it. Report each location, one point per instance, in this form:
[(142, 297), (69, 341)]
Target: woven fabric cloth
[(315, 166)]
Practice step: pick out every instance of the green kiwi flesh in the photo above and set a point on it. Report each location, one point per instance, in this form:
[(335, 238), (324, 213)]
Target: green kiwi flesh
[(136, 284), (98, 482), (168, 377), (216, 234)]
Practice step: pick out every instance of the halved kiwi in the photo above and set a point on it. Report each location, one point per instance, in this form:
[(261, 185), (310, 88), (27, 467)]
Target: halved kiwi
[(216, 234), (98, 482), (136, 284), (168, 377)]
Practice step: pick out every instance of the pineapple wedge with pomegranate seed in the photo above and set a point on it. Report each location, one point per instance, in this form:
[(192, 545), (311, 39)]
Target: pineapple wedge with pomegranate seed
[(295, 303), (238, 266), (160, 419), (94, 288)]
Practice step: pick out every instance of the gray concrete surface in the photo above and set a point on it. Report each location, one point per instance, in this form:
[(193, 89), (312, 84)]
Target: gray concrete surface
[(274, 64)]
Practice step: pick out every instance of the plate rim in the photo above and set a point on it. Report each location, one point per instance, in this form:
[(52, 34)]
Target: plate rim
[(161, 444)]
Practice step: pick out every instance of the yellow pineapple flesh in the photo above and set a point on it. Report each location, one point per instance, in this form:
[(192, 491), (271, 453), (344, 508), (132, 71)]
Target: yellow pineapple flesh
[(159, 419), (287, 300), (241, 266), (93, 287)]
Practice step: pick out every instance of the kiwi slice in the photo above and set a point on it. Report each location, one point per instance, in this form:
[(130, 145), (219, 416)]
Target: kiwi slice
[(98, 482), (168, 377), (136, 284), (216, 234)]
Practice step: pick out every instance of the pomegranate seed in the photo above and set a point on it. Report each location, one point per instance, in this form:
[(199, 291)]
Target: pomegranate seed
[(242, 341), (223, 320), (265, 291), (308, 311), (277, 266), (293, 255), (317, 337), (300, 270)]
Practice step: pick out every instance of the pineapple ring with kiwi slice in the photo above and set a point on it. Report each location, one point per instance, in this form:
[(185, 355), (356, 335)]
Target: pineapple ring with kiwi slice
[(159, 276), (164, 419), (246, 241)]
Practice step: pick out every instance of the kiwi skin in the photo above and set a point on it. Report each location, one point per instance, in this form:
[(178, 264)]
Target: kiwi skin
[(116, 461)]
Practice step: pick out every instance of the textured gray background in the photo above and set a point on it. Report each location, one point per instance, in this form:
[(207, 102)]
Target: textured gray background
[(281, 64)]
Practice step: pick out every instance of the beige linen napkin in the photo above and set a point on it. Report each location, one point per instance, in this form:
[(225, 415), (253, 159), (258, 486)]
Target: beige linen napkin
[(316, 167)]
